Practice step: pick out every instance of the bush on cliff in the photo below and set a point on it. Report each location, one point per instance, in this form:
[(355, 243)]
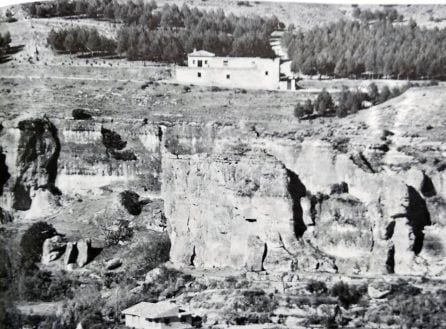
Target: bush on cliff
[(317, 287), (347, 294), (32, 242), (112, 140), (130, 201), (81, 114)]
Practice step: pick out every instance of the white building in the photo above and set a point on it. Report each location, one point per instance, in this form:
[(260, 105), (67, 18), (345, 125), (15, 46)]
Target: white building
[(162, 315), (204, 68)]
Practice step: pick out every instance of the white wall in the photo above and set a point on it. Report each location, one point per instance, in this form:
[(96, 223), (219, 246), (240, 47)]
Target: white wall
[(261, 73)]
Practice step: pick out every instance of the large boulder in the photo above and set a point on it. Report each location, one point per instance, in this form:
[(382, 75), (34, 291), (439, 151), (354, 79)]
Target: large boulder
[(53, 248), (84, 252), (154, 275), (379, 289), (113, 264)]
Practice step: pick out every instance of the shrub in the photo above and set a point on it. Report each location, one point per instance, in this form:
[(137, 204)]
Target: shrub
[(347, 294), (130, 201), (112, 140), (32, 242), (126, 155), (152, 253), (303, 110), (339, 188), (81, 114), (43, 286), (324, 103), (316, 287), (116, 231)]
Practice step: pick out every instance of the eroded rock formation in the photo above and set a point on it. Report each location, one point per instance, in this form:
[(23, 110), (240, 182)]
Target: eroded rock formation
[(272, 203), (37, 156)]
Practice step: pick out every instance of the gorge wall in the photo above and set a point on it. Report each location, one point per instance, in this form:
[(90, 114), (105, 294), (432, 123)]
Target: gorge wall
[(254, 196), (238, 198)]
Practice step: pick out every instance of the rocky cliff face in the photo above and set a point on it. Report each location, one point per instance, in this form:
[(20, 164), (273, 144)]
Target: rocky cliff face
[(236, 197), (41, 159), (361, 195)]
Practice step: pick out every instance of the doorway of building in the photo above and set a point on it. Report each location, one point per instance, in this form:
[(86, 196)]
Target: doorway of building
[(200, 63)]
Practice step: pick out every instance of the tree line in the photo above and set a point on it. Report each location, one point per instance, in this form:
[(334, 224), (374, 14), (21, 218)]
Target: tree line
[(80, 39), (388, 13), (169, 33), (349, 101), (356, 49)]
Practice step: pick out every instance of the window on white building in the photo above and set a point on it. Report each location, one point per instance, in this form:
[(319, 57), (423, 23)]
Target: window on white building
[(199, 74), (228, 76), (193, 61), (266, 72), (225, 62), (205, 62)]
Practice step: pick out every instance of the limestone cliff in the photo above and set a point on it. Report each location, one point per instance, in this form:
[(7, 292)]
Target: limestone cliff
[(360, 195), (236, 197)]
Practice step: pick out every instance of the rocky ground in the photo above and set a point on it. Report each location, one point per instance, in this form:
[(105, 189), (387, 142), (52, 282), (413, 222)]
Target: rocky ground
[(257, 217)]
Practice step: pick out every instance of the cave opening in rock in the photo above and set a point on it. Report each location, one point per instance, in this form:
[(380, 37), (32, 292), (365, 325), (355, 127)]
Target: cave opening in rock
[(418, 216), (297, 190), (427, 187), (192, 257)]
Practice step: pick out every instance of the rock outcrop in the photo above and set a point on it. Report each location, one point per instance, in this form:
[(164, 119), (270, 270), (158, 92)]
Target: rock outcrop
[(84, 252), (37, 156), (52, 249), (273, 203), (72, 253)]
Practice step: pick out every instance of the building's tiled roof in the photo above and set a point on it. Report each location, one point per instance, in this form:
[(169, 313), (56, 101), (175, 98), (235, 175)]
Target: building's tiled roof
[(201, 53), (154, 310)]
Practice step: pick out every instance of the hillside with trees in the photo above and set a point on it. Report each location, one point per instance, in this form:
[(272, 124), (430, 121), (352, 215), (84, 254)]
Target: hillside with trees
[(354, 49), (164, 34)]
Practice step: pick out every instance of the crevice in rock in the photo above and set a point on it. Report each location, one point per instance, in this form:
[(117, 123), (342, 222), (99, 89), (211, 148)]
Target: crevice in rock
[(418, 216), (265, 253), (192, 257), (4, 173), (297, 190), (390, 261), (251, 220), (160, 134), (282, 245), (390, 229), (316, 205), (361, 161), (427, 187)]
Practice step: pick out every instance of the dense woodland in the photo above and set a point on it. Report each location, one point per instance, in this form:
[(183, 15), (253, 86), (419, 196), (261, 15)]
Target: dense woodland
[(361, 49), (80, 39), (349, 101), (164, 34)]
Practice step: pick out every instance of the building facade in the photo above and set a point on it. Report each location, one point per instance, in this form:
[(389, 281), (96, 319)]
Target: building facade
[(204, 68)]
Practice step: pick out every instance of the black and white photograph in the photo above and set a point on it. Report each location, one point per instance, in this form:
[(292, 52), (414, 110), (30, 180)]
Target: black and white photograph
[(222, 164)]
